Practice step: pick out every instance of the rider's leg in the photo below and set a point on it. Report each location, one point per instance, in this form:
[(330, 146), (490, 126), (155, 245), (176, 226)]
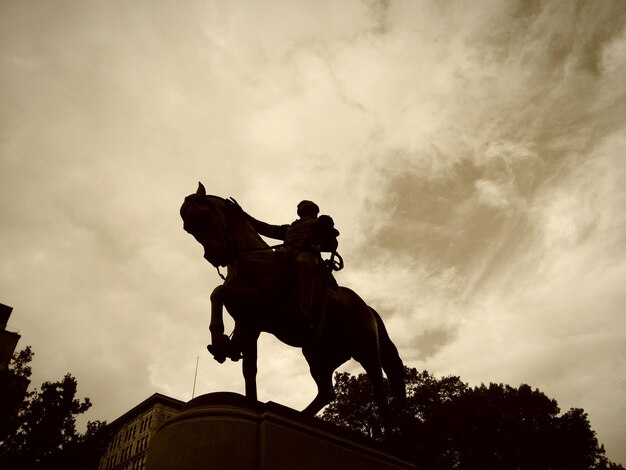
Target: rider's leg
[(306, 262)]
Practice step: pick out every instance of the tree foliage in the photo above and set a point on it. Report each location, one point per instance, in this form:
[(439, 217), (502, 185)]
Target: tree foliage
[(446, 424), (44, 433), (20, 362)]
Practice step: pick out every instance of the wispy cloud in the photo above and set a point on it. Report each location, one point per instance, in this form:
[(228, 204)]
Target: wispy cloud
[(470, 154)]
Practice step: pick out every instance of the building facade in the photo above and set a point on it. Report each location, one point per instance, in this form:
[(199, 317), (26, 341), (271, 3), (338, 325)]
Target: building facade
[(12, 386), (130, 434)]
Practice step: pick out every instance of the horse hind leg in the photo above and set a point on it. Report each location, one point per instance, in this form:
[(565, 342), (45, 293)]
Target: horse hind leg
[(370, 360), (374, 372), (323, 377), (390, 359)]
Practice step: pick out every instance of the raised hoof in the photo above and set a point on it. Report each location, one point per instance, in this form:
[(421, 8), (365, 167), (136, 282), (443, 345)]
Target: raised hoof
[(217, 356), (224, 349)]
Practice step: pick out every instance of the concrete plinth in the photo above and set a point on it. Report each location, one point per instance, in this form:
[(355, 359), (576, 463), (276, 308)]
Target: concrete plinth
[(225, 431)]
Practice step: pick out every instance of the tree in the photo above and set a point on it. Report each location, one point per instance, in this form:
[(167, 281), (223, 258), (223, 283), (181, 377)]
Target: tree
[(20, 362), (498, 426), (354, 407), (577, 442), (45, 433), (445, 424)]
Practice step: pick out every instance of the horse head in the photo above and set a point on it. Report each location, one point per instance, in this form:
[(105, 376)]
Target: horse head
[(206, 218)]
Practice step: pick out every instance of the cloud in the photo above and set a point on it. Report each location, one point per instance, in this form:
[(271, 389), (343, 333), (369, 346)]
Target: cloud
[(469, 154)]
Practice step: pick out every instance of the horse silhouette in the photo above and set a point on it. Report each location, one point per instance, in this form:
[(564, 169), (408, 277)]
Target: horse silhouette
[(258, 293)]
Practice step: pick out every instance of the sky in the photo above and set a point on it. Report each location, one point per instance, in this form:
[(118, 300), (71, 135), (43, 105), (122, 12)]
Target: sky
[(472, 155)]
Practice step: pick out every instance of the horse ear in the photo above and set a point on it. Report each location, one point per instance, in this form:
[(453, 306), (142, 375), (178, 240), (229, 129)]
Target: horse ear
[(201, 191)]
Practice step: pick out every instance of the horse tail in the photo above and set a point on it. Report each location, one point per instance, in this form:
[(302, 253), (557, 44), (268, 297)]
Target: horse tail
[(390, 359)]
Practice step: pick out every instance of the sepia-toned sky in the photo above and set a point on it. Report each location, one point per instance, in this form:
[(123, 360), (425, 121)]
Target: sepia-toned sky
[(472, 154)]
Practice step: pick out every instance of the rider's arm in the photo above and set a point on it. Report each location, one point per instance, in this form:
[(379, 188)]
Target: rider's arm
[(277, 232)]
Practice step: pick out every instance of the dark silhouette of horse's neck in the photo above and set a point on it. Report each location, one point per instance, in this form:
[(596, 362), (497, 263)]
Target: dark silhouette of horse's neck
[(245, 239)]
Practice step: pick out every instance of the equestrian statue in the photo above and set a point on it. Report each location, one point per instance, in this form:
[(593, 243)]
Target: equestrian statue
[(288, 290)]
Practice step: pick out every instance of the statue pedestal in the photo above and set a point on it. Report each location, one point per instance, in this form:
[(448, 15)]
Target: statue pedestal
[(225, 431)]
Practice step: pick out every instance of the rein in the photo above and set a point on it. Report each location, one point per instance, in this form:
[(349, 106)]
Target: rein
[(265, 248)]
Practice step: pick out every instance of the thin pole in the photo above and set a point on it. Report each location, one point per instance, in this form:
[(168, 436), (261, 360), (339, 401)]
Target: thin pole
[(195, 375)]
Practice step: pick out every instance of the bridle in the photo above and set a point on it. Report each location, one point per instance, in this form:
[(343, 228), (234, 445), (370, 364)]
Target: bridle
[(215, 215)]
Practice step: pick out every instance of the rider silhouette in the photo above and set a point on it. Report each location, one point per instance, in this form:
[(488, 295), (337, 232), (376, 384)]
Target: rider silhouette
[(303, 239)]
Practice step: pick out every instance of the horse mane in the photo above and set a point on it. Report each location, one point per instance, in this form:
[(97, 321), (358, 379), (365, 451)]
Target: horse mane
[(197, 198), (230, 210)]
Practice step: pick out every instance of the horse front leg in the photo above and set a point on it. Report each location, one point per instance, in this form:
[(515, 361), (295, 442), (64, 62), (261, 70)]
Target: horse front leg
[(221, 347), (216, 327)]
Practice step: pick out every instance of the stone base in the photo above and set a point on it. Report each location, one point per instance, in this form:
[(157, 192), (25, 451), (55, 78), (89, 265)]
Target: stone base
[(225, 431)]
